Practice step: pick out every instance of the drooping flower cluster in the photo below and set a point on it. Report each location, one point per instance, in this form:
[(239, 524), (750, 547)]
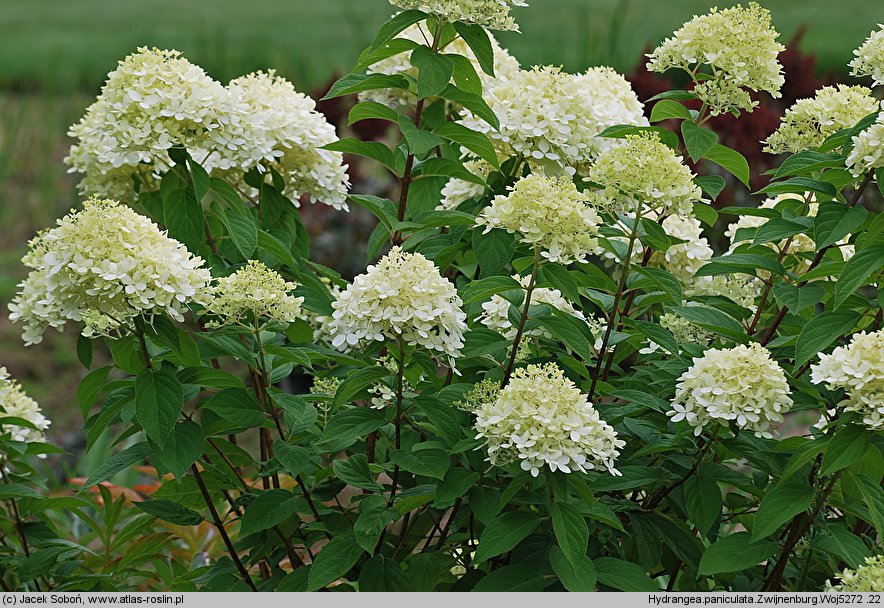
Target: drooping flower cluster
[(495, 313), (858, 368), (285, 132), (504, 66), (403, 295), (645, 173), (810, 121), (740, 48), (15, 403), (869, 577), (684, 259), (869, 60), (154, 100), (493, 14), (741, 384), (456, 191), (542, 419), (251, 294), (105, 266), (551, 118), (157, 99), (549, 213), (868, 149)]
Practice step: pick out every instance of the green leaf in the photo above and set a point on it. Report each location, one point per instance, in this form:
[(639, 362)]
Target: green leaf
[(859, 270), (90, 387), (834, 221), (435, 71), (381, 574), (465, 76), (703, 501), (334, 560), (357, 83), (357, 382), (659, 335), (504, 532), (494, 250), (373, 518), (294, 458), (821, 331), (734, 553), (846, 447), (668, 108), (780, 504), (171, 511), (747, 263), (183, 216), (799, 185), (798, 298), (237, 406), (370, 149), (183, 447), (658, 279), (842, 544), (697, 140), (475, 142), (675, 94), (808, 162), (118, 462), (367, 110), (270, 508), (572, 332), (712, 319), (382, 208), (419, 141), (711, 185), (513, 578), (621, 131), (873, 497), (623, 575), (159, 398), (705, 212), (355, 472), (447, 168), (457, 483), (571, 531), (274, 247), (473, 103), (429, 463), (243, 232), (730, 160), (576, 574), (777, 229), (399, 22), (481, 290), (347, 427), (478, 40)]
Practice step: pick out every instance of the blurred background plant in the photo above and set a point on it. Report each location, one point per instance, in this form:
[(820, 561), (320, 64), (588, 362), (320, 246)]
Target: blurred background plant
[(56, 54)]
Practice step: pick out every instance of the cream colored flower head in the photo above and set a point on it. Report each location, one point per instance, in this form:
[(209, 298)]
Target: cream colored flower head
[(104, 266), (493, 14), (403, 296), (15, 403), (868, 149), (645, 173), (252, 294), (809, 122), (154, 100), (541, 419), (549, 213), (739, 48), (286, 133), (552, 118), (857, 368), (684, 259), (456, 191), (867, 578), (505, 65), (740, 289), (742, 385), (869, 60), (495, 312)]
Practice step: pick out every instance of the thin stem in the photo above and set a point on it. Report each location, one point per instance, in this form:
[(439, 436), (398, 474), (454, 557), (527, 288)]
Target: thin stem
[(400, 391), (523, 319), (662, 493), (216, 520), (767, 290), (615, 309)]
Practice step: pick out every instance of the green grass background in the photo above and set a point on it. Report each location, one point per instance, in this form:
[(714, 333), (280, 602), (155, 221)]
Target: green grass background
[(55, 54)]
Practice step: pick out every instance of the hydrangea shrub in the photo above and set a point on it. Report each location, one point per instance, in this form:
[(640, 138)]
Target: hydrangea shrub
[(546, 378)]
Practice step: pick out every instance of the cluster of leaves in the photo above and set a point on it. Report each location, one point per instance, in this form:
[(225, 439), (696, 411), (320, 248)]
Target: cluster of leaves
[(316, 489)]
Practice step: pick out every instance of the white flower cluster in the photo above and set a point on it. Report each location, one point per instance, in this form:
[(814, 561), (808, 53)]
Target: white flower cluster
[(495, 313), (645, 173), (252, 293), (858, 368), (684, 259), (810, 121), (741, 289), (550, 213), (868, 149), (105, 266), (504, 66), (552, 118), (493, 14), (402, 296), (740, 48), (456, 191), (157, 99), (15, 403), (284, 132), (741, 384), (542, 419), (869, 60), (867, 578)]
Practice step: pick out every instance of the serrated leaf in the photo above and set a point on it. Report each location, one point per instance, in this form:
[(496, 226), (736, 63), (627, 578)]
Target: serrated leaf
[(494, 250), (846, 447), (473, 103), (513, 578), (780, 504), (447, 168), (747, 263), (243, 232), (334, 560), (734, 553), (730, 160), (623, 575), (577, 574), (183, 447), (621, 131), (483, 289), (697, 140), (366, 110), (478, 40), (572, 533), (777, 229), (369, 149), (183, 216), (357, 83), (799, 185), (435, 71), (711, 185), (504, 532), (474, 141), (859, 270), (171, 511), (159, 398), (798, 299), (703, 501), (666, 109), (270, 508), (118, 462), (354, 471), (821, 331)]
